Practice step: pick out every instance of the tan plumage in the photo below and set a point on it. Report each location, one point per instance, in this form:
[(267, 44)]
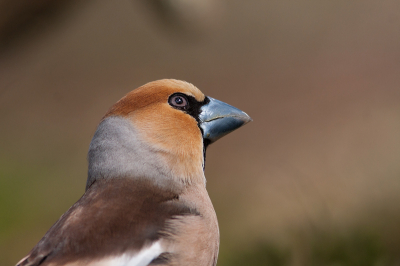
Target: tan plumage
[(145, 201)]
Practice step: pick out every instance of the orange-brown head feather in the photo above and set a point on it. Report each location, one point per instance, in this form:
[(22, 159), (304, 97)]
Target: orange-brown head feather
[(173, 134), (151, 93)]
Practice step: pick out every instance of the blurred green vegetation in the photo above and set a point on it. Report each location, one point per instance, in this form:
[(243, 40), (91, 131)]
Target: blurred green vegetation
[(262, 253), (23, 222), (356, 248), (353, 248)]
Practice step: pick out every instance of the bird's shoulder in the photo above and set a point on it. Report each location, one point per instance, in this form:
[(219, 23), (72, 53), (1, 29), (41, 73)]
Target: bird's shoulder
[(113, 218)]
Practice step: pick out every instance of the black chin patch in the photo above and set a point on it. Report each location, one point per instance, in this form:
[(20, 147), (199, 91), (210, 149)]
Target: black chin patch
[(206, 142)]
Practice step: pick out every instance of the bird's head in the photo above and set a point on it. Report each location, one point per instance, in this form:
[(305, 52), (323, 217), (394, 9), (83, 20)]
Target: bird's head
[(160, 131)]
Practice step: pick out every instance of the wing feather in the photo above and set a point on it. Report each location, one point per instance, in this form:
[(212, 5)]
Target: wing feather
[(111, 219)]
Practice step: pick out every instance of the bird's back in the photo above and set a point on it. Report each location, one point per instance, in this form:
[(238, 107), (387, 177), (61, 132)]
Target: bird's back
[(121, 219)]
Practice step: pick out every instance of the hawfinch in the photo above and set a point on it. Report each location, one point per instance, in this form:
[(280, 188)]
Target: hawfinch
[(146, 201)]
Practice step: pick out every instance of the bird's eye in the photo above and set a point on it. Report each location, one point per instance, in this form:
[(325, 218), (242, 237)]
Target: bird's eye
[(179, 101)]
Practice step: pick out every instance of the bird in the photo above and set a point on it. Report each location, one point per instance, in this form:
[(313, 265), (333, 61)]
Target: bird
[(145, 201)]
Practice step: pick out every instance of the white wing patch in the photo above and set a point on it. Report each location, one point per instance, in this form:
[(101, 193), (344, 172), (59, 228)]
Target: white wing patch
[(143, 258)]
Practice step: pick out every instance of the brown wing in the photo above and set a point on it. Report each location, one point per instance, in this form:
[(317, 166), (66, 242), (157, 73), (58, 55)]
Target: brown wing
[(112, 217)]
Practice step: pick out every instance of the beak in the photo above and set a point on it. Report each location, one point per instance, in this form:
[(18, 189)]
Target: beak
[(218, 119)]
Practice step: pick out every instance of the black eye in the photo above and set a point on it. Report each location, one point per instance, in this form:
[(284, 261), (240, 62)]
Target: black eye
[(179, 101)]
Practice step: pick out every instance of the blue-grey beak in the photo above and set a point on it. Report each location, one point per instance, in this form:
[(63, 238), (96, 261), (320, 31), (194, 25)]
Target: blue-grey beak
[(218, 119)]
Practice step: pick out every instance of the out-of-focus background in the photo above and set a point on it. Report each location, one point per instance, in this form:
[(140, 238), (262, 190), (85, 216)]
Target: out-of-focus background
[(313, 180)]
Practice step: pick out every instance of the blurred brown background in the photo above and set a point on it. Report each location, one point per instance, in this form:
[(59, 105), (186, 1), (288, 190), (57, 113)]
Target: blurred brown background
[(313, 180)]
